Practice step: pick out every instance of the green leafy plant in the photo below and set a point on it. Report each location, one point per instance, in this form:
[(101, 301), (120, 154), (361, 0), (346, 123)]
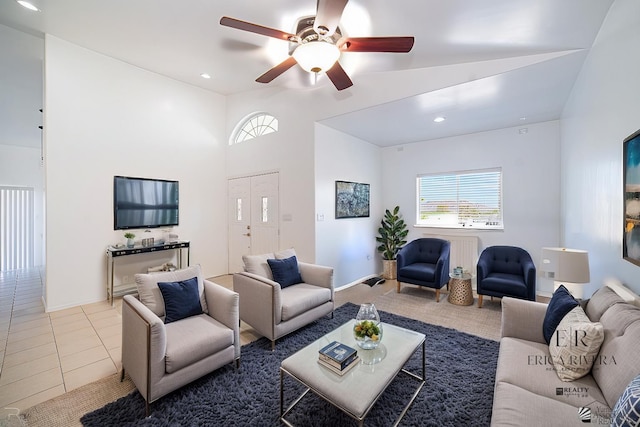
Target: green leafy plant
[(367, 328), (393, 232), (129, 235)]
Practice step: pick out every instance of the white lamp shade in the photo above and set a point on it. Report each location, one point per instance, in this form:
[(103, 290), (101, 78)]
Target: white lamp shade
[(566, 265), (316, 57)]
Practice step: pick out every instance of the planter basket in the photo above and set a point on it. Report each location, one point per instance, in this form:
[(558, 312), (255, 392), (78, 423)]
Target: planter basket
[(389, 266)]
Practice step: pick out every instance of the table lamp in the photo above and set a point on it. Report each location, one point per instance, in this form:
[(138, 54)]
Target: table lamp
[(568, 267)]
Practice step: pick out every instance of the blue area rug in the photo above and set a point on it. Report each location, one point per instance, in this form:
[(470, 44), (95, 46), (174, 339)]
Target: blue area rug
[(460, 372)]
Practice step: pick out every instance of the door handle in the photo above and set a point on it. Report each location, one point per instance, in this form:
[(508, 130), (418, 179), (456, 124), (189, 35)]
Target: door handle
[(247, 234)]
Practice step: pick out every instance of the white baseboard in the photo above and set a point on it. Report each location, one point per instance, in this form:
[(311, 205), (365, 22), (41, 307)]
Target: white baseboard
[(356, 282)]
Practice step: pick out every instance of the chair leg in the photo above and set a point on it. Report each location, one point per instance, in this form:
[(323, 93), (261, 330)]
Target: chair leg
[(398, 290), (479, 301), (147, 410), (238, 363), (122, 375), (273, 345), (437, 295)]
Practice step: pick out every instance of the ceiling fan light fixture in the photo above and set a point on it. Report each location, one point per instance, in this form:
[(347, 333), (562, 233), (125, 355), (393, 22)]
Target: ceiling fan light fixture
[(28, 5), (317, 56)]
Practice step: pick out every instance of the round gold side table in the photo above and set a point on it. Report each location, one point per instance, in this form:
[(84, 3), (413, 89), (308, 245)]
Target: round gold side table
[(460, 292)]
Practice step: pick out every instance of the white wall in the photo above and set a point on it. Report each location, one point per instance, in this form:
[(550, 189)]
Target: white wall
[(21, 167), (531, 182), (348, 245), (604, 108), (103, 118), (289, 152)]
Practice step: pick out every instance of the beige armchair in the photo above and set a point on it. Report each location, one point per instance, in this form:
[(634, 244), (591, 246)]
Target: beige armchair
[(161, 358), (273, 311)]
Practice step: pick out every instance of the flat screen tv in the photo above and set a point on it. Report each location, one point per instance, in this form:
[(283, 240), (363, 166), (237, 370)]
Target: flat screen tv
[(144, 203)]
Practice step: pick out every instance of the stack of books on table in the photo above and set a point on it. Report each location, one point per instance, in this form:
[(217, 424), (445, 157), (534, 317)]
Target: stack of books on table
[(338, 357)]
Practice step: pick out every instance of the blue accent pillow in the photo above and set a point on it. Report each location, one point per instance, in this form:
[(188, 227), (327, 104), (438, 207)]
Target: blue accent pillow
[(285, 271), (626, 411), (181, 299), (561, 303)]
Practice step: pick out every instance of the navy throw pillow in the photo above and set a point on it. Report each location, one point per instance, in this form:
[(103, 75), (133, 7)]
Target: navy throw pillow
[(181, 299), (285, 271), (626, 411), (561, 303)]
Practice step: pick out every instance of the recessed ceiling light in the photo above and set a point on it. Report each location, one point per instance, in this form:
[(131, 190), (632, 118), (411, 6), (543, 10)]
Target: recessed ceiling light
[(28, 5), (205, 76), (523, 118), (439, 119)]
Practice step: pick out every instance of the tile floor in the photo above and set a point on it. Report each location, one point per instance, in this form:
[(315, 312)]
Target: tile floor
[(44, 355)]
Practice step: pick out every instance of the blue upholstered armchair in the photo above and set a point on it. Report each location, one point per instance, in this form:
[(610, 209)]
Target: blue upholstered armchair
[(506, 271), (424, 262)]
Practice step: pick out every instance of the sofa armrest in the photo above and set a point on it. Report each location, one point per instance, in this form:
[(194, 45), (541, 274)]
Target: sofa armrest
[(482, 269), (523, 319), (260, 302), (442, 269), (224, 306), (318, 275), (144, 344)]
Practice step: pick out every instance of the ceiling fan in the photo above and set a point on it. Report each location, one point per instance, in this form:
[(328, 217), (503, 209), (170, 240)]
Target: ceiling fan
[(318, 43)]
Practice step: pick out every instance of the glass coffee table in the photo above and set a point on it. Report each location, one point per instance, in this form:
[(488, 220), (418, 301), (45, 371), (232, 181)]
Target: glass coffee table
[(376, 370)]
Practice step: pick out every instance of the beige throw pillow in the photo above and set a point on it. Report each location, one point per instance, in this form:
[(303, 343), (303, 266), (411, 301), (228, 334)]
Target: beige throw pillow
[(149, 292), (257, 264), (575, 344)]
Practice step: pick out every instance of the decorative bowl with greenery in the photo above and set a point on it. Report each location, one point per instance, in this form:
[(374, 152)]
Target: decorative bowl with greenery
[(367, 333)]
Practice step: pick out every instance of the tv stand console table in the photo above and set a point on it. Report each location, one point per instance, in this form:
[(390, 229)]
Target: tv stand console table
[(114, 253)]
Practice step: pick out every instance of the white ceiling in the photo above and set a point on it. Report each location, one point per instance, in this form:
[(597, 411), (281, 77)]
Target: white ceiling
[(181, 39)]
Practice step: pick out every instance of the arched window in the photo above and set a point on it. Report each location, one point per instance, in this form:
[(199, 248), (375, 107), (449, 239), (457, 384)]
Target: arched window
[(252, 126)]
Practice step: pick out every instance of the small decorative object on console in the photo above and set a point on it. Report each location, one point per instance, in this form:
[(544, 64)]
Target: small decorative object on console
[(368, 329), (148, 242), (129, 237)]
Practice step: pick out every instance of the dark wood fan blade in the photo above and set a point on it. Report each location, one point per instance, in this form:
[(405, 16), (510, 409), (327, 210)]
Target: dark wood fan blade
[(378, 44), (328, 15), (255, 28), (339, 77), (277, 70)]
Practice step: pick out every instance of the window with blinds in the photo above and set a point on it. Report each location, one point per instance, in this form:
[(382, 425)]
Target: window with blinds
[(469, 199), (16, 228)]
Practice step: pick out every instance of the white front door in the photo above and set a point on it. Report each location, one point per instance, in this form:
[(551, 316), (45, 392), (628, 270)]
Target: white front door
[(253, 217)]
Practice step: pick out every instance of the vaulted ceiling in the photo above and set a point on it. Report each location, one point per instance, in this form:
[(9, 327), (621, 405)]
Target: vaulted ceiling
[(182, 39)]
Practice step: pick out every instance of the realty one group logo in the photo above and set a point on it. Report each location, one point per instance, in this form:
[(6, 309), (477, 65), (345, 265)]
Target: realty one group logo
[(572, 391)]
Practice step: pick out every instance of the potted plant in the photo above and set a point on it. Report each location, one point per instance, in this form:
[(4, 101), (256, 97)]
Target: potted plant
[(129, 237), (393, 232)]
